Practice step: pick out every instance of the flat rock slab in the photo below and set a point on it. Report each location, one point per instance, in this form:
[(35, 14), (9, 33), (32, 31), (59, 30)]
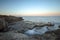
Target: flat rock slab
[(14, 36), (21, 25)]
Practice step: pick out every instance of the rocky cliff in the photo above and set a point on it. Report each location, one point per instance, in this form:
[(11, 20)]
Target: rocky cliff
[(7, 20)]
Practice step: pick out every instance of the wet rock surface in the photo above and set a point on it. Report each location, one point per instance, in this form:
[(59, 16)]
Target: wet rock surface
[(21, 26), (14, 28), (14, 36), (44, 24)]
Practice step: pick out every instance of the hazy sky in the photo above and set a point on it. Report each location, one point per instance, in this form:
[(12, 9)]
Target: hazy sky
[(30, 7)]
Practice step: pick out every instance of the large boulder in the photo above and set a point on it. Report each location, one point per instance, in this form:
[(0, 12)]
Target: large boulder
[(3, 25), (57, 32), (7, 20), (48, 36), (59, 26)]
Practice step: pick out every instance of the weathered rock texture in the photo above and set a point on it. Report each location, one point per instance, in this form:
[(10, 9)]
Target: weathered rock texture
[(57, 32), (7, 20), (14, 36), (3, 25), (44, 24), (11, 19), (21, 26)]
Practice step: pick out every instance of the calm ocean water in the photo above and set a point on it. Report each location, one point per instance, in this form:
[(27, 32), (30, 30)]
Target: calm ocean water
[(54, 19)]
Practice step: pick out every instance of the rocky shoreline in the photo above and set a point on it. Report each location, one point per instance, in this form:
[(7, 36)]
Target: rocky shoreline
[(15, 28)]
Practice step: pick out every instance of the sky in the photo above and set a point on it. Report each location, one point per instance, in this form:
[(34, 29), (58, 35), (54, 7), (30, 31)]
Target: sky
[(30, 7)]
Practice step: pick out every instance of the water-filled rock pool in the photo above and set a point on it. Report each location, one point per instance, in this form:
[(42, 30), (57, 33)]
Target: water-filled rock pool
[(41, 30)]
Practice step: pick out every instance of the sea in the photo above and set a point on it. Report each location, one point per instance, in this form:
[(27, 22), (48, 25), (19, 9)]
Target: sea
[(54, 19)]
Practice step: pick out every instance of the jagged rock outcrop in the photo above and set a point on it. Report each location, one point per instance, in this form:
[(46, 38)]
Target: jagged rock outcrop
[(11, 19), (46, 24), (7, 20)]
